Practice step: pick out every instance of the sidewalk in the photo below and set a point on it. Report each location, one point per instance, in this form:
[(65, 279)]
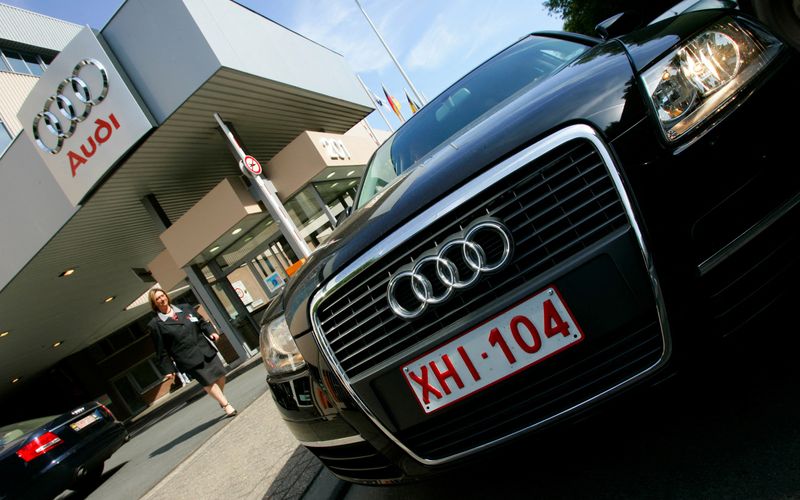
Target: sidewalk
[(253, 456), (173, 402)]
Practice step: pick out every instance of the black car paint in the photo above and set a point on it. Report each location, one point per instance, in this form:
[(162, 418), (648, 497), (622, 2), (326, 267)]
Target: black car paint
[(676, 190), (601, 81)]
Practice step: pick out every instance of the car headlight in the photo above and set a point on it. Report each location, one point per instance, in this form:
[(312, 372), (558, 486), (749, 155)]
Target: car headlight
[(703, 74), (278, 349)]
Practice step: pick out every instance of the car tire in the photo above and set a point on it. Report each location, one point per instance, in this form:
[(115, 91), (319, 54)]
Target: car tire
[(89, 479)]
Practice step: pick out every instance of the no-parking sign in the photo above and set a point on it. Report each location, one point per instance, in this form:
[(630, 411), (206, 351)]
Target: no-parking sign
[(252, 165)]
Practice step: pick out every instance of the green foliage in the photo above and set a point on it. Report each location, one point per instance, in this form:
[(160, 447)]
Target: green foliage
[(581, 16)]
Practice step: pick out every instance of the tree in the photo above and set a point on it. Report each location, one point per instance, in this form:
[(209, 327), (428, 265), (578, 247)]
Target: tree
[(581, 16)]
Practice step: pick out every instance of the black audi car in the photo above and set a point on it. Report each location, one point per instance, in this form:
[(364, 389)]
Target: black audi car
[(42, 457), (573, 218)]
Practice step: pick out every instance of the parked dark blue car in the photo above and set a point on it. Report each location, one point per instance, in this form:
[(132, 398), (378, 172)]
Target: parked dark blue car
[(42, 457)]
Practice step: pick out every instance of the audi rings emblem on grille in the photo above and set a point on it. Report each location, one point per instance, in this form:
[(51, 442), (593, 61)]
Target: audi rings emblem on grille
[(66, 107), (464, 250)]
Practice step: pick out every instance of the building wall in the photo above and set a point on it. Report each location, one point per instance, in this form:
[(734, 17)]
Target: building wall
[(217, 33), (305, 157), (14, 88), (39, 207), (29, 29)]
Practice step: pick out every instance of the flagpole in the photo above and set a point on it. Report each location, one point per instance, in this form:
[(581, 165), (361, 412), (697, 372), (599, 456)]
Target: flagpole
[(421, 99), (377, 106)]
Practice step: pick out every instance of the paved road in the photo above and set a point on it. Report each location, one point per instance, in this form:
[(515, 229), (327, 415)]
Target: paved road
[(153, 454), (728, 429)]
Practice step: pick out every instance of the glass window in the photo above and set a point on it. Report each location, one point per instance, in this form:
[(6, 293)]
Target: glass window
[(515, 70), (3, 65), (145, 375), (33, 64), (16, 61), (14, 432), (130, 396), (5, 138)]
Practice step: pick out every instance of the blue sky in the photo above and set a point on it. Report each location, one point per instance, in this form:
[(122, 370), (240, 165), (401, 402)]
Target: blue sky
[(436, 41)]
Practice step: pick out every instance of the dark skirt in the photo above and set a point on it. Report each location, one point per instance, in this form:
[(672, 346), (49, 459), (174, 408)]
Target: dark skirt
[(207, 372)]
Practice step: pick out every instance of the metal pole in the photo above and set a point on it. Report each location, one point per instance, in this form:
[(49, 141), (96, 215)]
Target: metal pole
[(377, 106), (266, 191), (372, 133), (422, 100), (322, 205), (217, 311), (254, 271)]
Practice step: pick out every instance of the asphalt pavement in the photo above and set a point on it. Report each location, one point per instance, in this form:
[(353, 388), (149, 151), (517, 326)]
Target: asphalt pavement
[(725, 429), (252, 456), (183, 448)]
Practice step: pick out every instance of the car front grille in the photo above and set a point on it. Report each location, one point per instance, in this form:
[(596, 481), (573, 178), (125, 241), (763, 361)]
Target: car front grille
[(557, 205), (756, 276), (360, 461), (537, 394)]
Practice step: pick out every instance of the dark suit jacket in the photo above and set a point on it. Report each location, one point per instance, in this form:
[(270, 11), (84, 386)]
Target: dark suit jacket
[(187, 342)]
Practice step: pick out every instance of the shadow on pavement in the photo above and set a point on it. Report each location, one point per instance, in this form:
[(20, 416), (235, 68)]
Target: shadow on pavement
[(84, 493), (186, 435), (295, 476)]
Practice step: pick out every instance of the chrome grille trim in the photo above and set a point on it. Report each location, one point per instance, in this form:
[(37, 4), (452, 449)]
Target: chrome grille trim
[(445, 206)]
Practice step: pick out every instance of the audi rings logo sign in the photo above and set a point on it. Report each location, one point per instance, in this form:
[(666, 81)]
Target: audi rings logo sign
[(83, 116), (71, 94), (484, 247)]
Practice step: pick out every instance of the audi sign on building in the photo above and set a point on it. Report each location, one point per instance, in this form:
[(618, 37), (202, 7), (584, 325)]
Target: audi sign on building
[(83, 116)]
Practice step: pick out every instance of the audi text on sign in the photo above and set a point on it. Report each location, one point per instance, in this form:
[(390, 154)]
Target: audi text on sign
[(83, 115)]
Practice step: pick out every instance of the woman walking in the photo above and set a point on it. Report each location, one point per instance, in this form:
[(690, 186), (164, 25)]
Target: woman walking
[(184, 336)]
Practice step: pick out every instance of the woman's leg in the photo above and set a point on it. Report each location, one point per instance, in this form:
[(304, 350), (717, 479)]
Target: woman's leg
[(215, 391)]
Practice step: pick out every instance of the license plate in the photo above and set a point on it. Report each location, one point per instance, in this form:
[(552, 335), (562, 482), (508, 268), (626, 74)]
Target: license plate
[(85, 421), (512, 341)]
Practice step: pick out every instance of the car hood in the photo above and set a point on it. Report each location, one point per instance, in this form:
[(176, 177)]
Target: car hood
[(602, 92)]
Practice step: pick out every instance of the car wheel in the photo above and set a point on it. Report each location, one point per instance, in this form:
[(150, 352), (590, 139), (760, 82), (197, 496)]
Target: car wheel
[(89, 478), (782, 16)]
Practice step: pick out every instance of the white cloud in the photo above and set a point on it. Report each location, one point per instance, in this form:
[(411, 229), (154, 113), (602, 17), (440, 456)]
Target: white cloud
[(435, 46), (341, 27)]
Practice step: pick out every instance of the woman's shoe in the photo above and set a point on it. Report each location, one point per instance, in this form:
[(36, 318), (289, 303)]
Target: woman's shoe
[(231, 413)]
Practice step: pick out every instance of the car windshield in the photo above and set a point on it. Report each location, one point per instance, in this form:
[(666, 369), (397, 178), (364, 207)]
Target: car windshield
[(12, 432), (517, 68)]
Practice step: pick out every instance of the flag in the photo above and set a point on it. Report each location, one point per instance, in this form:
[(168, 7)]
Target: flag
[(411, 104), (375, 98), (393, 103)]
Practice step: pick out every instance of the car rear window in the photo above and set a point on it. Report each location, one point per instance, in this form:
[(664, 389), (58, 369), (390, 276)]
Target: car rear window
[(13, 432)]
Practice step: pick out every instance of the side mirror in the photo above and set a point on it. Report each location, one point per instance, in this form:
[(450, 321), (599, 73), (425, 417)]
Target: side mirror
[(343, 215), (618, 24)]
